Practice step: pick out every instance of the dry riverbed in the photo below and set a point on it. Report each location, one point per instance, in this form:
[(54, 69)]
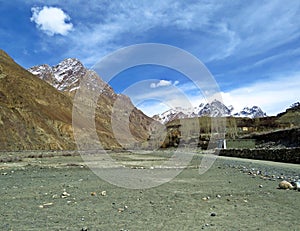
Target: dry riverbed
[(61, 193)]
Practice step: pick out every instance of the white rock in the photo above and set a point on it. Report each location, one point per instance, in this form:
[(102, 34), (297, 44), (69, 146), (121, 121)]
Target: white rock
[(285, 185)]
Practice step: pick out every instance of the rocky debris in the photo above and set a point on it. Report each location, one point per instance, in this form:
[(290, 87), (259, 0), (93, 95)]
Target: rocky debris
[(267, 173), (64, 195), (84, 229), (103, 193), (213, 214), (288, 179)]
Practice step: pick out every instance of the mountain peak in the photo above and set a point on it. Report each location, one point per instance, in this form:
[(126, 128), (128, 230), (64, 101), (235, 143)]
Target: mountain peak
[(64, 76), (212, 109), (253, 112)]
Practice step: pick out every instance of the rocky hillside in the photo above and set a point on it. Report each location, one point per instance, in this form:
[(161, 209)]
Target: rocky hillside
[(33, 115), (38, 115)]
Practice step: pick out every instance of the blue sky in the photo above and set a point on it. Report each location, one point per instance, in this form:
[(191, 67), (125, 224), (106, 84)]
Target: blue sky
[(251, 48)]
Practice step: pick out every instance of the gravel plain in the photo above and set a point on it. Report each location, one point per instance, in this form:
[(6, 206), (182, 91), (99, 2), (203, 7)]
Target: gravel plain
[(61, 193)]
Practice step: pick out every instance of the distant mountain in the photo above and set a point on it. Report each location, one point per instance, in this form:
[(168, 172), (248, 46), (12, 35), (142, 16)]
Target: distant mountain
[(36, 112), (253, 112), (213, 109)]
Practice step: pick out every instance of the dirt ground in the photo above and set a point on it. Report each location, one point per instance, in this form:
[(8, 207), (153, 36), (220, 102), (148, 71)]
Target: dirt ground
[(61, 193)]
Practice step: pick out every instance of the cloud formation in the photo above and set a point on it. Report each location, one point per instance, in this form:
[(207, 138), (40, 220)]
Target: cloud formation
[(272, 95), (51, 20), (163, 83)]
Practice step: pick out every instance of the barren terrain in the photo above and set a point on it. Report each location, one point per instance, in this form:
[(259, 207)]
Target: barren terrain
[(61, 193)]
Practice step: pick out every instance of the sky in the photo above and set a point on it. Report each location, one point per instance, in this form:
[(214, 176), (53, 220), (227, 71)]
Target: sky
[(250, 48)]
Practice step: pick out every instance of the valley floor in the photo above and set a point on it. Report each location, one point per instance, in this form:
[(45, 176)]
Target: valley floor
[(61, 193)]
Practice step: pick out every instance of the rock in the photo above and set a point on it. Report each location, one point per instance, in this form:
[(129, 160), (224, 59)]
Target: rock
[(103, 193), (84, 229), (218, 196), (260, 186), (296, 185), (46, 205), (65, 194), (93, 194), (285, 185), (213, 214), (206, 198)]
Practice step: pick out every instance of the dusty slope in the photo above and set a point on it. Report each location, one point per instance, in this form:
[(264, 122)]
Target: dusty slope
[(35, 115)]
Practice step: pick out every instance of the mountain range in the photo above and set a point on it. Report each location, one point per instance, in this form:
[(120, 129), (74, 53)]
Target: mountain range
[(212, 109), (36, 107)]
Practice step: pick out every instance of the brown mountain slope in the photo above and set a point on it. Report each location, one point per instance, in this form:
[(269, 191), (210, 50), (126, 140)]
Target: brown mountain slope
[(35, 115)]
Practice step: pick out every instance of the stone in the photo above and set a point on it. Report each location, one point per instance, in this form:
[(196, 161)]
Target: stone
[(296, 185), (206, 198), (103, 193), (65, 194), (213, 214), (285, 185), (93, 194), (46, 205)]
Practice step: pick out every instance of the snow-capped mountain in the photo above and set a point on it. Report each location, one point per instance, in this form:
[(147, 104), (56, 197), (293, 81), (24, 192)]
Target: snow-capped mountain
[(65, 76), (176, 113), (213, 109), (253, 112)]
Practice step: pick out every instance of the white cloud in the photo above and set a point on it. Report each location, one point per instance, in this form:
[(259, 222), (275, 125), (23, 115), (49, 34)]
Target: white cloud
[(162, 83), (51, 20), (273, 96)]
